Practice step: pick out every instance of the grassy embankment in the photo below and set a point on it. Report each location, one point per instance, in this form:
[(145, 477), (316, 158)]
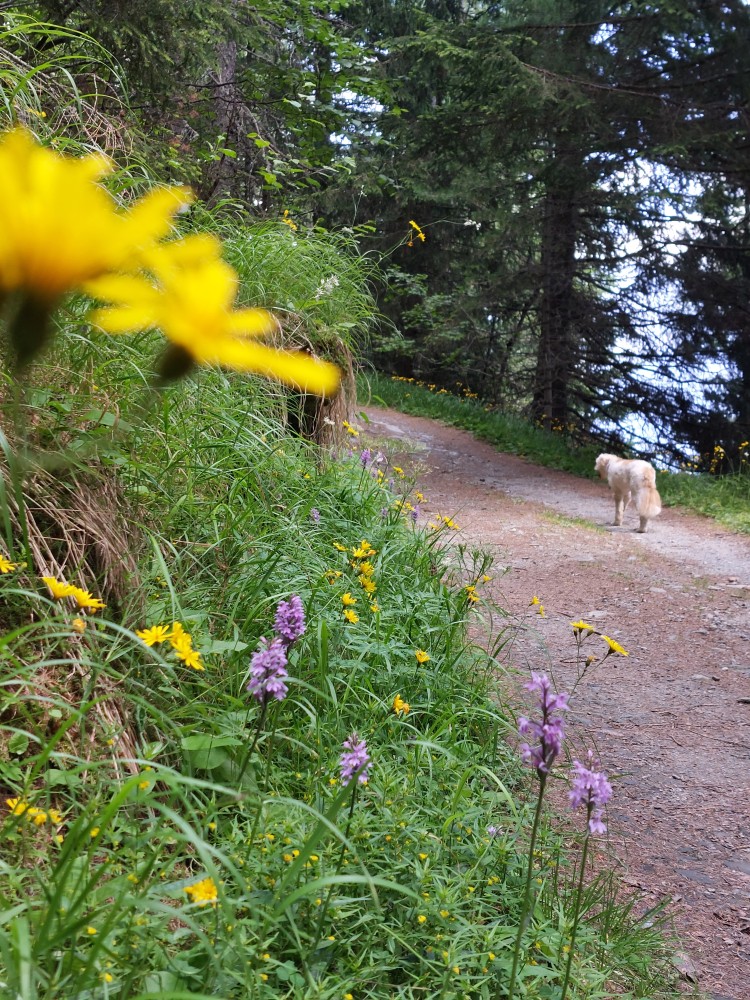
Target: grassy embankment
[(725, 498), (147, 777)]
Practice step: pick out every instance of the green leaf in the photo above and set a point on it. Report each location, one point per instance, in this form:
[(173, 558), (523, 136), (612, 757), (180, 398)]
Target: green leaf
[(18, 743)]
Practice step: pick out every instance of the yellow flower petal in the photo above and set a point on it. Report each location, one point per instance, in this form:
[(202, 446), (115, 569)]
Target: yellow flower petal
[(190, 300), (294, 368), (59, 227)]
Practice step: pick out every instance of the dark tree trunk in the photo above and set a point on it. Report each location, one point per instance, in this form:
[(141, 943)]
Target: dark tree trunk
[(555, 353)]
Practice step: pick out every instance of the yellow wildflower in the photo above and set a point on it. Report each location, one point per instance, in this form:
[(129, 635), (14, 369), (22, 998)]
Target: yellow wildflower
[(289, 221), (183, 648), (401, 707), (6, 566), (351, 616), (418, 230), (91, 930), (375, 608), (60, 228), (79, 625), (203, 892), (366, 568), (364, 550), (421, 656), (85, 600), (17, 806), (190, 299), (347, 600), (581, 626), (421, 919), (58, 588), (368, 585), (177, 632), (157, 633), (339, 546), (349, 429), (614, 647)]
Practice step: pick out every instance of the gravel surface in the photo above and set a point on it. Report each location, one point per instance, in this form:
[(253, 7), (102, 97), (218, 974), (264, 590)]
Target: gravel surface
[(672, 720)]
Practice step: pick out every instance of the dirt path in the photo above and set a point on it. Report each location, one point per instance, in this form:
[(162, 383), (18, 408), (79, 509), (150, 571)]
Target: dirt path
[(673, 719)]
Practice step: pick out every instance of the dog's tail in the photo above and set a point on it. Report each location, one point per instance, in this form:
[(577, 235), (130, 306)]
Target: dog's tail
[(646, 496)]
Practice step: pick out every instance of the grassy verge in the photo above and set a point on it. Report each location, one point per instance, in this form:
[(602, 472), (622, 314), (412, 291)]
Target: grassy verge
[(724, 498), (168, 836)]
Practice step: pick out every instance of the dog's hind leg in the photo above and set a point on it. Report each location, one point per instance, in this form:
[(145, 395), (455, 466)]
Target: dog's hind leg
[(643, 525), (619, 510)]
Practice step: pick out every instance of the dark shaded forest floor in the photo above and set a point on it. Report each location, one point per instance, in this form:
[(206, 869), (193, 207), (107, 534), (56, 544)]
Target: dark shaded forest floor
[(672, 720)]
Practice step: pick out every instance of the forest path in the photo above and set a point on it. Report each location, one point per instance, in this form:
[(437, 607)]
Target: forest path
[(673, 719)]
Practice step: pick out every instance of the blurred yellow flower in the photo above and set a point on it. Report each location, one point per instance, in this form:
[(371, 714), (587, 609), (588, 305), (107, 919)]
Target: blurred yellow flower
[(85, 600), (614, 647), (6, 566), (421, 656), (60, 228), (288, 220), (347, 600), (364, 550), (79, 625), (157, 633), (58, 588), (351, 616), (203, 892), (581, 626), (190, 298), (401, 707)]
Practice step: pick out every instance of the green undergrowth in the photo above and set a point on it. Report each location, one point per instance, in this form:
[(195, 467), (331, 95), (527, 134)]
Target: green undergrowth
[(131, 778), (726, 498)]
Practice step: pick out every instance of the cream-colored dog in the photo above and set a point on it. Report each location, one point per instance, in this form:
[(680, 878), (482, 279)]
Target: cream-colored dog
[(631, 477)]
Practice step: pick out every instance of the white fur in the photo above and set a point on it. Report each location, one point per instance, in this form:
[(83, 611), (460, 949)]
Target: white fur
[(631, 477)]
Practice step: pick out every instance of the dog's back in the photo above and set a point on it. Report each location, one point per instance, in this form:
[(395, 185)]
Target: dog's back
[(631, 477)]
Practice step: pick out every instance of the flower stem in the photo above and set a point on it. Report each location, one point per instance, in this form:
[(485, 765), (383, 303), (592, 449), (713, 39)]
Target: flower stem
[(527, 891), (574, 931), (258, 729), (324, 907)]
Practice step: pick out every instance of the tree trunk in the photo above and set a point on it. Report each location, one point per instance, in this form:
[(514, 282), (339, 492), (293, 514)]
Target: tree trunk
[(554, 360)]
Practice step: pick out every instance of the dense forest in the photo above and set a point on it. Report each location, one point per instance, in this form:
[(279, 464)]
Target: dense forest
[(556, 192)]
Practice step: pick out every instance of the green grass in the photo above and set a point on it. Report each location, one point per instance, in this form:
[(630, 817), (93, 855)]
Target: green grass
[(724, 498)]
